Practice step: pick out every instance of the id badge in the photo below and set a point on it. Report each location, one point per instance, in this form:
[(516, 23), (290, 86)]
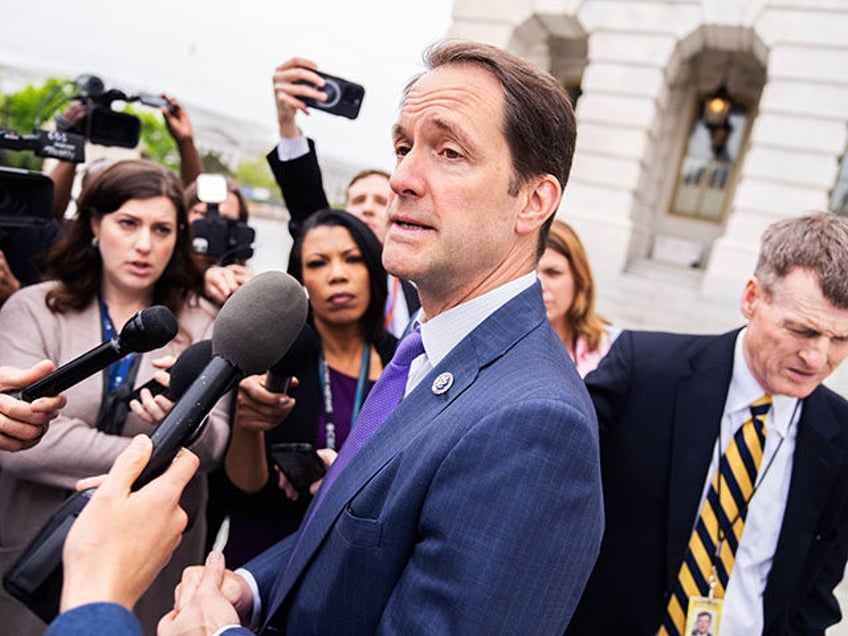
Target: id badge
[(703, 616)]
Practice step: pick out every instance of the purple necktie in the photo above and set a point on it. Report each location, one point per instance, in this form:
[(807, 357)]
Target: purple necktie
[(381, 401)]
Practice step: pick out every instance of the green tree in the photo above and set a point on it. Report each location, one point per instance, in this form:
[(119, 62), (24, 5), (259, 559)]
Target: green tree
[(213, 163), (257, 174)]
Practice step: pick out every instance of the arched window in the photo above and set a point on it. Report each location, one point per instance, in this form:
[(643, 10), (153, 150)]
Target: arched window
[(705, 178)]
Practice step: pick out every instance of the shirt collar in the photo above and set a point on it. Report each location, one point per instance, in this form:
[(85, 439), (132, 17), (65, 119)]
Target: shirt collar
[(443, 332), (744, 389)]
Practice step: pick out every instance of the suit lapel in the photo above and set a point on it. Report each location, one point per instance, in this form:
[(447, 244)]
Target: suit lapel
[(419, 409), (815, 466), (698, 408)]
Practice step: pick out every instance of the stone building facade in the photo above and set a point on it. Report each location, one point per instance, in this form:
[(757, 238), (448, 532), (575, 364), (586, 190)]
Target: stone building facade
[(670, 201)]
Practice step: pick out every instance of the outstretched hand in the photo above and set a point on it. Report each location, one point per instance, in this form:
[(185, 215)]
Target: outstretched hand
[(122, 539)]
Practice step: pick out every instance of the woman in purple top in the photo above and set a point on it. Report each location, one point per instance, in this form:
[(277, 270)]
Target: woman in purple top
[(337, 258)]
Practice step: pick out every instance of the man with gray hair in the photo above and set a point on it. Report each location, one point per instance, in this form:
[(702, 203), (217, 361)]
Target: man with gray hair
[(703, 437)]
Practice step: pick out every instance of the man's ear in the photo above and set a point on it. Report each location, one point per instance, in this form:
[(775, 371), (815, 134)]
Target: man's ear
[(542, 195), (751, 293)]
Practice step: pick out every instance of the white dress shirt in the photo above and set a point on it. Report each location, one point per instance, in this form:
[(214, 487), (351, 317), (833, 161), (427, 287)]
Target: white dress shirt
[(442, 333), (742, 612)]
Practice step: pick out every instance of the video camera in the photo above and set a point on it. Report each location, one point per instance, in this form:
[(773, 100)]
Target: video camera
[(226, 240), (102, 125)]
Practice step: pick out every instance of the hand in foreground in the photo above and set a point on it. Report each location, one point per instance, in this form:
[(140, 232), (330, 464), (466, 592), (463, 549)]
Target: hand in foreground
[(22, 424), (327, 454), (207, 599), (122, 539)]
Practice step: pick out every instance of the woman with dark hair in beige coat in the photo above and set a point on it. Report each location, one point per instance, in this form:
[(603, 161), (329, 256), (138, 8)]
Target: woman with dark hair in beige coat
[(128, 249)]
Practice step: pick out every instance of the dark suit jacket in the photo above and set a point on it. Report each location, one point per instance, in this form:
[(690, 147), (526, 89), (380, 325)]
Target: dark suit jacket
[(303, 191), (660, 399), (474, 511)]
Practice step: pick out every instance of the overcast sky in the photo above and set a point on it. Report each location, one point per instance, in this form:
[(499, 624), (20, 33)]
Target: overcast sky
[(222, 54)]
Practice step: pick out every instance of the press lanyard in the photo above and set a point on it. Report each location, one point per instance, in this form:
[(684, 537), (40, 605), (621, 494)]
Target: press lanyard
[(324, 377), (117, 370)]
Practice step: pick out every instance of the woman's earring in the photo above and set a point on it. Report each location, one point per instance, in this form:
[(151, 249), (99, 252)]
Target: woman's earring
[(95, 242)]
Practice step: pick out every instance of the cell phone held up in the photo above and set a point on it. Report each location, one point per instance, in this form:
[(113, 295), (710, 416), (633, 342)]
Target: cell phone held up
[(300, 463), (344, 98)]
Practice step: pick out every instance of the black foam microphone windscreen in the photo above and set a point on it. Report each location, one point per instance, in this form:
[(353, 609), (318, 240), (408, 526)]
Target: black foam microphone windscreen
[(149, 329), (259, 322), (185, 370)]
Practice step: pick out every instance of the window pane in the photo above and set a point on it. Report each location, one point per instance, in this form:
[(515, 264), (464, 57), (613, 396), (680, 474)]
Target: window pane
[(707, 167)]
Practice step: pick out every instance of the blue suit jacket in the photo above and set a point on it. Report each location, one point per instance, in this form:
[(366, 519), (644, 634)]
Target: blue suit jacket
[(660, 399), (477, 511), (95, 619)]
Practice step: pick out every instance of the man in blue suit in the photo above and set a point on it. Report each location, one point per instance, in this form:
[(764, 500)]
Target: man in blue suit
[(475, 508)]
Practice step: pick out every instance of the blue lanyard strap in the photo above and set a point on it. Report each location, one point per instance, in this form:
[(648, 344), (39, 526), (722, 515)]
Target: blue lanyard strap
[(117, 370)]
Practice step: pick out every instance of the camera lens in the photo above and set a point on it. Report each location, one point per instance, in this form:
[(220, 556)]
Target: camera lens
[(331, 88)]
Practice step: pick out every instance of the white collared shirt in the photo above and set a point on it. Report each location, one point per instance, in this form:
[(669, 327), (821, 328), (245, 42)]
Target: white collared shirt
[(443, 332), (742, 612)]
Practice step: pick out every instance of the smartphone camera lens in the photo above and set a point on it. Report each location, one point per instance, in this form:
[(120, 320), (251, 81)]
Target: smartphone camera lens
[(331, 88)]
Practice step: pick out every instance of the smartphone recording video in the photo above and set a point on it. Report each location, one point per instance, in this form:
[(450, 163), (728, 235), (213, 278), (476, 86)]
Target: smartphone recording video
[(344, 98)]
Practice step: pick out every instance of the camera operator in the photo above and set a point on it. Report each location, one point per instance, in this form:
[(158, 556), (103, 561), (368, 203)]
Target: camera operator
[(178, 123), (220, 280), (294, 163)]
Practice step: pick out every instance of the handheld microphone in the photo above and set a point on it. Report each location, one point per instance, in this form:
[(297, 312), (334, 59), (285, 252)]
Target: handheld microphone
[(254, 328), (279, 376), (187, 367), (149, 329)]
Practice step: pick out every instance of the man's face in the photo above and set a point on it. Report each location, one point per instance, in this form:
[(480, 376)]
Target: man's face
[(452, 221), (703, 623), (368, 200), (796, 338)]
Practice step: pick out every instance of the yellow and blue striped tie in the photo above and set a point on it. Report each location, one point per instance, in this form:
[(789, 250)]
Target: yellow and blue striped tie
[(724, 509)]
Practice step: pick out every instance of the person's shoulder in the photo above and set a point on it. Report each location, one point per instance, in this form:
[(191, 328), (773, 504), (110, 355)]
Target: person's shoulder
[(31, 296), (386, 345), (198, 307), (834, 400), (662, 342)]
